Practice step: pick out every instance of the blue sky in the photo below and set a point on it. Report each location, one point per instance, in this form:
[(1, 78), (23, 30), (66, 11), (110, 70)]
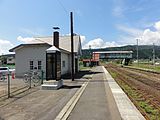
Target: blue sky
[(101, 23)]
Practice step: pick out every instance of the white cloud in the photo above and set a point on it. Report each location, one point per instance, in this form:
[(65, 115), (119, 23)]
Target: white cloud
[(147, 36), (29, 40), (79, 13), (145, 22), (118, 11), (35, 32), (99, 43), (5, 45), (118, 8), (121, 8), (130, 31), (157, 25), (26, 39), (127, 40)]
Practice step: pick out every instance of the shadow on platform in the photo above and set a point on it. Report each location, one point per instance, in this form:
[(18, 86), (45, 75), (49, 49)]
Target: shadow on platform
[(80, 74), (70, 86)]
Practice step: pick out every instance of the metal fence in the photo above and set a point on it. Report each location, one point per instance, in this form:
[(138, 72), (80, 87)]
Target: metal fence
[(11, 86)]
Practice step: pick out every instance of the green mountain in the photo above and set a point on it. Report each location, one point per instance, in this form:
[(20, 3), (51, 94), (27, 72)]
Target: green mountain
[(145, 51)]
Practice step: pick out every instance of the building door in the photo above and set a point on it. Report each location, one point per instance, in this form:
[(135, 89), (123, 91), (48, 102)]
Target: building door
[(50, 66)]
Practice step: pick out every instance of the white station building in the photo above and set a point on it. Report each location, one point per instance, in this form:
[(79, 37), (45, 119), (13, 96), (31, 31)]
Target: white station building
[(39, 54)]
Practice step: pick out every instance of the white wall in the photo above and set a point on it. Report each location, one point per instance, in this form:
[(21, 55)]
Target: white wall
[(69, 63), (36, 53), (65, 69), (27, 53)]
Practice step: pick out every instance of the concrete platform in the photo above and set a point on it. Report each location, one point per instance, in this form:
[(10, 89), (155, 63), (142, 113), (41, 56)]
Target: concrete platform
[(126, 108), (49, 87), (52, 85), (96, 102)]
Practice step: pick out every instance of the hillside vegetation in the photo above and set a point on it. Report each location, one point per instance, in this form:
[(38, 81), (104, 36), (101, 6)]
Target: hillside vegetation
[(145, 51)]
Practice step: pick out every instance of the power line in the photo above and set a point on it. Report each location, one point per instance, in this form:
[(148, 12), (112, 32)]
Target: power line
[(62, 6)]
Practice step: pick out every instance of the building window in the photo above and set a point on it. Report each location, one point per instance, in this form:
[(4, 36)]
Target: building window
[(39, 65), (9, 59), (31, 65), (63, 63)]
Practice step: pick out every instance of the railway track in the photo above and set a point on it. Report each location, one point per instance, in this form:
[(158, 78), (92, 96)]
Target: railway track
[(145, 83), (154, 75)]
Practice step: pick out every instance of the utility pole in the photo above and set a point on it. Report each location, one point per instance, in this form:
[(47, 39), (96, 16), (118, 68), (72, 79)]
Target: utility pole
[(137, 53), (153, 54), (72, 47)]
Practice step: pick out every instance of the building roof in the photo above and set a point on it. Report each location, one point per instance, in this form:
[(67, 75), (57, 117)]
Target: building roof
[(35, 44), (8, 55), (110, 52), (52, 49), (64, 43), (23, 45)]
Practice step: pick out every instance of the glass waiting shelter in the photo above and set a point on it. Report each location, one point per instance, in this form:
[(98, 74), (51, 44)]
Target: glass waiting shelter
[(53, 63)]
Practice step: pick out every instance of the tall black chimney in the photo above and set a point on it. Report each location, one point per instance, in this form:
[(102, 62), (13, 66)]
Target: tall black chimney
[(56, 39)]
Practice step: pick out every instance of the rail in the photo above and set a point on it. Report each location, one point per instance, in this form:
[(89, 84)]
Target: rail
[(152, 100)]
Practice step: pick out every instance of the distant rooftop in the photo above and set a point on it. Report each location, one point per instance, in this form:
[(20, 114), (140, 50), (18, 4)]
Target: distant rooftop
[(110, 52)]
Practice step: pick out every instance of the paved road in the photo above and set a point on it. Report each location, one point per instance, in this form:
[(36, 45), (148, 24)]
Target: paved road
[(96, 103), (37, 104)]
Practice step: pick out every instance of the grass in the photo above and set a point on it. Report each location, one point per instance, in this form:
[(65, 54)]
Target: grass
[(85, 68), (10, 66), (114, 75), (152, 112), (147, 66)]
